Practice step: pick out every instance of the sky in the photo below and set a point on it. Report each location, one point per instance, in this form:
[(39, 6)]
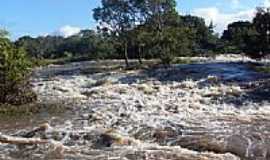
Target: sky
[(68, 17)]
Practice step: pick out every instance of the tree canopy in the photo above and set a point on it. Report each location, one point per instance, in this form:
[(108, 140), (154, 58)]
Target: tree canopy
[(153, 26), (151, 29), (249, 37)]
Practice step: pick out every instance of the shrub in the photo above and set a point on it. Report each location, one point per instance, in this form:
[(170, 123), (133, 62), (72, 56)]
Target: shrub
[(14, 74)]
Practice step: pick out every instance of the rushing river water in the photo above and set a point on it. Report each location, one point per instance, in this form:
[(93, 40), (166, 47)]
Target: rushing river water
[(197, 111)]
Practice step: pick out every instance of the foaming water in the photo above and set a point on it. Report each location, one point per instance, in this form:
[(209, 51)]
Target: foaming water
[(202, 111)]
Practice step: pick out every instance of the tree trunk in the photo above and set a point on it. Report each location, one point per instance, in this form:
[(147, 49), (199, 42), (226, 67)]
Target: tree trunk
[(140, 55), (126, 54), (3, 86)]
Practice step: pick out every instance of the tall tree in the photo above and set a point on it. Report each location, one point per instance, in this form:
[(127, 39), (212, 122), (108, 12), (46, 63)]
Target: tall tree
[(118, 17), (239, 37), (160, 16), (141, 37), (204, 40), (262, 25)]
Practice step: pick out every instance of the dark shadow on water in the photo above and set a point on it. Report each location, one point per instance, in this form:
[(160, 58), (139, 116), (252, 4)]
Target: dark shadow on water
[(242, 74), (259, 91), (226, 72)]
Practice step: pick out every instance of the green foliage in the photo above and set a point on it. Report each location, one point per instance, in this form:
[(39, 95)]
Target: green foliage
[(204, 40), (42, 47), (87, 43), (252, 38), (14, 63), (263, 69), (117, 18), (161, 22), (130, 29), (151, 29), (262, 24), (14, 71), (238, 37), (3, 33), (173, 42)]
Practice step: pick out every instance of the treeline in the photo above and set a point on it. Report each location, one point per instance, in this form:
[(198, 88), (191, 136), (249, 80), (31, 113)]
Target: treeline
[(131, 29), (152, 29), (194, 37), (251, 38), (87, 43)]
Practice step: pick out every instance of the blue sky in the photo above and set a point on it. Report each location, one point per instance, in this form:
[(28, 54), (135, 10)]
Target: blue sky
[(66, 17)]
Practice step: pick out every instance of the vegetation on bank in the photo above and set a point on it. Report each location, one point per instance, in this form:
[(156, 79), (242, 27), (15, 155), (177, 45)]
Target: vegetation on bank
[(25, 110), (15, 69), (145, 32), (140, 32), (263, 69), (252, 38)]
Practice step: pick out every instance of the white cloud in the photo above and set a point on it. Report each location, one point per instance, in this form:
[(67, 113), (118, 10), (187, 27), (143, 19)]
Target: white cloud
[(67, 31), (220, 19)]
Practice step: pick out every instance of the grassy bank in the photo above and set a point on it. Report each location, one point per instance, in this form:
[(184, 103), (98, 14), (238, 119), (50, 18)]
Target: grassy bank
[(58, 61), (119, 63), (263, 69), (7, 110), (260, 67)]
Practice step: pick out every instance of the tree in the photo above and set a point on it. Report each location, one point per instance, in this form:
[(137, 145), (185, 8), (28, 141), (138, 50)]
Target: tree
[(204, 40), (173, 42), (117, 16), (262, 25), (160, 16), (140, 38), (41, 47), (252, 38), (239, 37), (3, 33), (30, 45), (97, 45), (14, 72), (88, 44)]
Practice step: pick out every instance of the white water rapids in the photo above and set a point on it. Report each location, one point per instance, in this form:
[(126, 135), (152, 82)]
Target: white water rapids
[(187, 113)]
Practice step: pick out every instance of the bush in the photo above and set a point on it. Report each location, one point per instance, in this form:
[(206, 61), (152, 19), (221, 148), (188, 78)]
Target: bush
[(15, 70)]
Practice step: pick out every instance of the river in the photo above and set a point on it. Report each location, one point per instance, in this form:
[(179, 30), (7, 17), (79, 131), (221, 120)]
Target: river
[(213, 110)]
